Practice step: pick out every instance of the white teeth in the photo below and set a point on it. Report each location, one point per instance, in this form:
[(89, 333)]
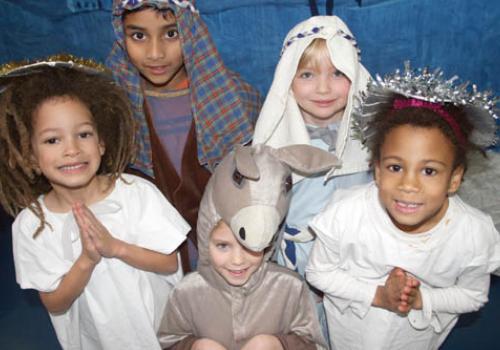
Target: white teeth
[(71, 167), (407, 205)]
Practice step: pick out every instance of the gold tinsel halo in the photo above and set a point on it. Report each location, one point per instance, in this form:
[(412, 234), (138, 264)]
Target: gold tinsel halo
[(20, 68)]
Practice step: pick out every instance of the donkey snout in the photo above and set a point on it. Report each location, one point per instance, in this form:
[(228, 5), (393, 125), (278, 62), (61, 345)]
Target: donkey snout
[(255, 226)]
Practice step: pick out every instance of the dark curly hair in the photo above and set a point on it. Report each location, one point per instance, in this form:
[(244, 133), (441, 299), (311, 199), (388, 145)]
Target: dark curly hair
[(388, 118), (20, 183)]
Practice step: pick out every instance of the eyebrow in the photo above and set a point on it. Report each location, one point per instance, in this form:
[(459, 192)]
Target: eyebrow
[(57, 129), (137, 27), (389, 158)]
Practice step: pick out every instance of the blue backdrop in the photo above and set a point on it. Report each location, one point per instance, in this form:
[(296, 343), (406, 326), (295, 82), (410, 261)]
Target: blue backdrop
[(460, 36)]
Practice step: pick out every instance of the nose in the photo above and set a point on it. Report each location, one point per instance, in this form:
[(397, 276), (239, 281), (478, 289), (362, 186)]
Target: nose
[(409, 182), (72, 148), (237, 256), (323, 85), (155, 49)]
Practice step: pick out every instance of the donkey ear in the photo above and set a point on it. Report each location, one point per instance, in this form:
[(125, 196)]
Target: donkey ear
[(306, 159), (245, 163)]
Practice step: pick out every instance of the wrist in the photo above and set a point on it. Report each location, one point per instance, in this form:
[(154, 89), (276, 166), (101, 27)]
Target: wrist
[(85, 263), (380, 298), (121, 249)]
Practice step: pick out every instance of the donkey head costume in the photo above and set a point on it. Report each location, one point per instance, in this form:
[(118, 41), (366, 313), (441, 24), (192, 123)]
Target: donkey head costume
[(250, 192)]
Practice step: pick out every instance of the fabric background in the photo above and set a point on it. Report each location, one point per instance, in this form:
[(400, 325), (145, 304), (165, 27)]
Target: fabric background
[(460, 36)]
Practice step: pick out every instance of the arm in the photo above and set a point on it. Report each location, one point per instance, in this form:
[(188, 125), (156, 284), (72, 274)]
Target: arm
[(176, 328), (304, 330), (110, 247), (325, 273), (73, 283), (437, 307)]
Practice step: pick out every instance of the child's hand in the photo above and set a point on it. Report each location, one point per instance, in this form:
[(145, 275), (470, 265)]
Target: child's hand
[(389, 296), (89, 251), (206, 344), (409, 296), (106, 245), (264, 342)]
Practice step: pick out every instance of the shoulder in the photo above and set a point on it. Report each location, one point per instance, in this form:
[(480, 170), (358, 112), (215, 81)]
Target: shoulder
[(284, 276), (26, 222), (190, 285), (471, 219), (132, 183), (346, 199)]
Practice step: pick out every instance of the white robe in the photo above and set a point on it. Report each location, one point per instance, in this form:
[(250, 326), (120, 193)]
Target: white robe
[(121, 306), (358, 246)]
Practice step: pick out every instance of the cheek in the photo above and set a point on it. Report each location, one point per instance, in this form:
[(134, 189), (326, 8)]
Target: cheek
[(343, 87), (133, 51)]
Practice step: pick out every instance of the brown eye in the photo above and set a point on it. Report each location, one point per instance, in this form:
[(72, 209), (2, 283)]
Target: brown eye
[(288, 183), (237, 177)]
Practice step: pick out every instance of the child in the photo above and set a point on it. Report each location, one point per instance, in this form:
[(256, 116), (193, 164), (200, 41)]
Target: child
[(191, 110), (310, 102), (236, 299), (400, 259), (97, 245)]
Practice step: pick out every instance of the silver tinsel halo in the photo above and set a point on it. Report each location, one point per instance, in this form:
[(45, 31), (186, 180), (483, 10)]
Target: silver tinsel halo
[(430, 86)]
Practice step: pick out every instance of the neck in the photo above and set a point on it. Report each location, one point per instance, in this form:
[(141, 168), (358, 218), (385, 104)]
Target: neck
[(61, 199)]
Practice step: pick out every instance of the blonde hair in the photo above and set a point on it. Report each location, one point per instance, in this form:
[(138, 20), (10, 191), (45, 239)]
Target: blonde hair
[(21, 183), (313, 54)]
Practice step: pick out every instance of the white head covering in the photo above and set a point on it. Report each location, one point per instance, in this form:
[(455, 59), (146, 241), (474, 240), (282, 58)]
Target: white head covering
[(280, 122)]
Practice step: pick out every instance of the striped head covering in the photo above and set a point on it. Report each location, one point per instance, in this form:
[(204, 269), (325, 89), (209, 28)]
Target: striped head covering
[(224, 107)]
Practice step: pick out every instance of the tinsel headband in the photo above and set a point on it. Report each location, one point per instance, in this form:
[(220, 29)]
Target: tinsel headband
[(437, 108), (432, 87)]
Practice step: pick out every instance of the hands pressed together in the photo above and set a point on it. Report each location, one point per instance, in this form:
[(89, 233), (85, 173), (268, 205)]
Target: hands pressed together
[(97, 242), (399, 294)]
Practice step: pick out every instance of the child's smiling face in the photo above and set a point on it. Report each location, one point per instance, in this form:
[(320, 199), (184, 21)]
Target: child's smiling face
[(153, 45), (321, 90), (230, 259), (66, 146), (414, 175)]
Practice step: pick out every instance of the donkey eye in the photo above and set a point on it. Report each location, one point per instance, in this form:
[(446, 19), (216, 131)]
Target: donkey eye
[(237, 177), (288, 183)]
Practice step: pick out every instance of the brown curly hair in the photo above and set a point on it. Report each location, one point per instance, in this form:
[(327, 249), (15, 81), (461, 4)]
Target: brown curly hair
[(388, 118), (20, 182)]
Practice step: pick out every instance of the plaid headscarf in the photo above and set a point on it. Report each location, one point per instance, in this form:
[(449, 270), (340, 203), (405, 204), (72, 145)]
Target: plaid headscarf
[(224, 107)]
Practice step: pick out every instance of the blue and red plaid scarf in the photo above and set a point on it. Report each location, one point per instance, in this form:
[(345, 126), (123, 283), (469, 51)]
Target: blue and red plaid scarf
[(224, 107)]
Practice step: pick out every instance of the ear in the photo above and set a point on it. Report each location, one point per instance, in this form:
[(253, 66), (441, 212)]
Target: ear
[(306, 159), (376, 173), (102, 148), (245, 163), (456, 179)]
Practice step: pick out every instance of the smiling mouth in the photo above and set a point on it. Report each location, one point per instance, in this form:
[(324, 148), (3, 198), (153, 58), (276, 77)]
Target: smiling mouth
[(324, 103), (407, 207), (157, 69), (73, 167), (237, 273)]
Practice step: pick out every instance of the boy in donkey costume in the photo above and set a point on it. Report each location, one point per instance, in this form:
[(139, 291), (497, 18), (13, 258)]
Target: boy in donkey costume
[(235, 300)]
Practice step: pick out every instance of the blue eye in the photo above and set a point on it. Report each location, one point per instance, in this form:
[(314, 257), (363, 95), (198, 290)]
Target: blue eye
[(306, 75)]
